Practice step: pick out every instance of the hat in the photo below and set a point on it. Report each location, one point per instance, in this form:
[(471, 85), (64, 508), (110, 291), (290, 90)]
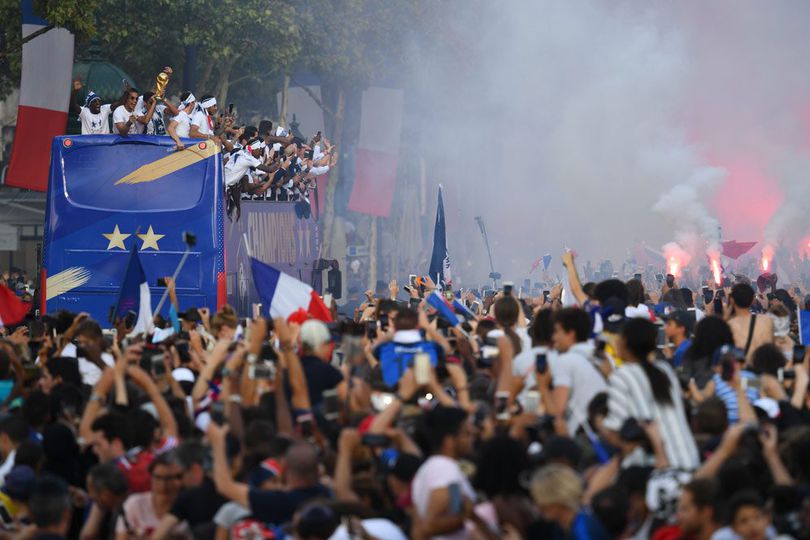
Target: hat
[(612, 313), (266, 470), (769, 406), (561, 448), (314, 334), (191, 315), (681, 318), (19, 483)]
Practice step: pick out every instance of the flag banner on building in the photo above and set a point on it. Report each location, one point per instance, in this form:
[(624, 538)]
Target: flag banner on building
[(377, 155), (47, 67)]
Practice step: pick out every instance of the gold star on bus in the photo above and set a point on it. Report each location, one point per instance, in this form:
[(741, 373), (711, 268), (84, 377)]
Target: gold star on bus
[(116, 238), (150, 240)]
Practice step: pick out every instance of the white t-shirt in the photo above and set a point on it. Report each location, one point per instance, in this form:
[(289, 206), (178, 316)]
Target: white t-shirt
[(95, 124), (523, 366), (376, 528), (89, 371), (238, 166), (183, 124), (156, 125), (575, 370), (436, 473), (121, 116), (203, 122)]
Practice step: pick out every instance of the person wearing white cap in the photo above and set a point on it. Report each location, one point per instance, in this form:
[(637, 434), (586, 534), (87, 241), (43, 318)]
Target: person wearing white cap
[(316, 347)]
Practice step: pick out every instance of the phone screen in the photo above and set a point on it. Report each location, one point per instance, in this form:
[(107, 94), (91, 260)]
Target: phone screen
[(541, 362)]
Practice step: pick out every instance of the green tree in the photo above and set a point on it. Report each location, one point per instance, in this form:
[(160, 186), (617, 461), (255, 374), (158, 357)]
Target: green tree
[(349, 44), (75, 15)]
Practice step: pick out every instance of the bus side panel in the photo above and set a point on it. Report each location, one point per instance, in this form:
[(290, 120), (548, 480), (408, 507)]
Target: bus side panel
[(277, 237), (104, 195)]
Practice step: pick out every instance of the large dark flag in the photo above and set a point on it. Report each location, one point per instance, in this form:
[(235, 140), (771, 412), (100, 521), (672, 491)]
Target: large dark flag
[(440, 261)]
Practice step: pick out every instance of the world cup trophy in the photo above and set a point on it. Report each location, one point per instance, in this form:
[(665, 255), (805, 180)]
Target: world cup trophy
[(161, 81)]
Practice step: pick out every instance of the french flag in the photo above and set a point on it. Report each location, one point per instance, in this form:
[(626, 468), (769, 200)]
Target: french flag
[(47, 66), (286, 296), (12, 309), (134, 295)]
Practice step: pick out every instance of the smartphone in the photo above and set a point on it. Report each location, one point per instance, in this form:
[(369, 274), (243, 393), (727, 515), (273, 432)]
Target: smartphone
[(161, 282), (371, 330), (375, 440), (262, 371), (532, 401), (412, 281), (129, 320), (546, 294), (541, 363), (455, 504), (502, 405), (230, 108), (798, 353), (331, 406), (659, 278), (782, 374), (637, 276), (662, 338), (707, 295), (158, 365), (217, 413), (718, 302), (508, 286), (421, 368), (670, 280)]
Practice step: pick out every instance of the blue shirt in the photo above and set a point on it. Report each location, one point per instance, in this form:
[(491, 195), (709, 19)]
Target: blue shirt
[(587, 527), (677, 358)]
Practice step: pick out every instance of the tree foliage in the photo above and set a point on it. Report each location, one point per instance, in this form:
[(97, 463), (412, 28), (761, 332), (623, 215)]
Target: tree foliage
[(75, 15)]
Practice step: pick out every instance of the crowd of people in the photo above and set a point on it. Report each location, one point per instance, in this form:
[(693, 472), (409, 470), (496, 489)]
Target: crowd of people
[(19, 283), (260, 163), (602, 411)]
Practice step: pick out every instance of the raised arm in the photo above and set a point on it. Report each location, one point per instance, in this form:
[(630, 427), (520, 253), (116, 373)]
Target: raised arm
[(165, 415), (75, 107), (573, 278)]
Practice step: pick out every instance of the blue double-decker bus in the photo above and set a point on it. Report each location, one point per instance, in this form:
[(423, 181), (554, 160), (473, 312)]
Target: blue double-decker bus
[(107, 192)]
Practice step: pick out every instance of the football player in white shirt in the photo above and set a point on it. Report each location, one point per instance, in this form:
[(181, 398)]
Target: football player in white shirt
[(202, 124), (180, 125), (125, 117), (93, 116)]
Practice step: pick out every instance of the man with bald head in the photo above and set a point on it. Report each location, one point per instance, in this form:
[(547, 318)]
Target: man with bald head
[(301, 477)]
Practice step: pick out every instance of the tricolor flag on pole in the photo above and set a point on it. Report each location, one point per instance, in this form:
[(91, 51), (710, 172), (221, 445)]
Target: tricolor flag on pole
[(286, 296), (47, 66), (134, 294), (12, 309), (440, 260)]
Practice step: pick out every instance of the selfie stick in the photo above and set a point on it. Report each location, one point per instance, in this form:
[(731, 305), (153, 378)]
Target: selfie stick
[(492, 274), (189, 240)]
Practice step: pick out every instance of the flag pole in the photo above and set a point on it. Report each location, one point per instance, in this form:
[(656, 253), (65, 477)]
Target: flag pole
[(177, 270)]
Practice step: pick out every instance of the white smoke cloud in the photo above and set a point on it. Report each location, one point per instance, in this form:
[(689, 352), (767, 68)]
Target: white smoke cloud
[(596, 125)]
